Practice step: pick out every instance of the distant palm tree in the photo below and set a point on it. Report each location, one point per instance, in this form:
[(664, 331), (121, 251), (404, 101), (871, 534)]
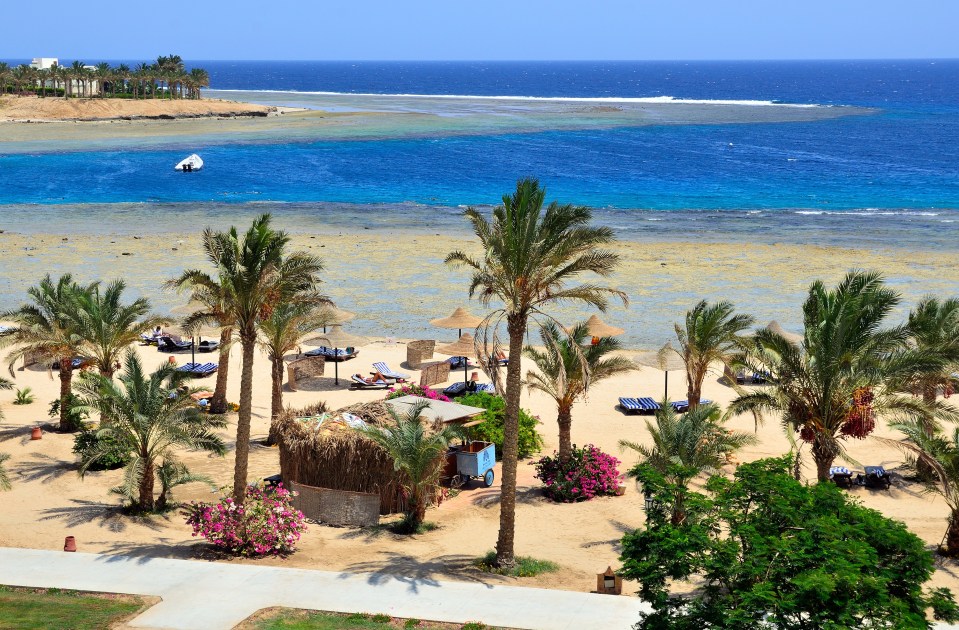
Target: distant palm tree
[(107, 327), (711, 335), (256, 275), (77, 77), (148, 416), (47, 328), (528, 257), (685, 446), (4, 476), (281, 333), (568, 366), (104, 75), (4, 76), (199, 79), (416, 452), (847, 373)]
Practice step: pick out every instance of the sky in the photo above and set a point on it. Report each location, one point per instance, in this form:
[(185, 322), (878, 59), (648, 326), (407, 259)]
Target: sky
[(485, 30)]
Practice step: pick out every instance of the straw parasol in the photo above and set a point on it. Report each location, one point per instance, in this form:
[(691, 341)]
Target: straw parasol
[(792, 338), (465, 346), (196, 335), (665, 359), (337, 338), (461, 318), (598, 328), (334, 315)]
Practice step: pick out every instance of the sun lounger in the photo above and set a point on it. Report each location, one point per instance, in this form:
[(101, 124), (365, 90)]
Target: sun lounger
[(457, 363), (169, 344), (874, 477), (148, 340), (198, 369), (841, 476), (333, 354), (358, 382), (76, 363), (639, 405), (384, 370), (682, 406), (461, 388), (207, 346)]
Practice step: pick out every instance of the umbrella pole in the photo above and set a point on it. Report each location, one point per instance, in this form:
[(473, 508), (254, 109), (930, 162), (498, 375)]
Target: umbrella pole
[(336, 368), (193, 350), (666, 386)]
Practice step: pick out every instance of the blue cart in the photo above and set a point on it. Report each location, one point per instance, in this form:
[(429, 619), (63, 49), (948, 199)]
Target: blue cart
[(475, 459)]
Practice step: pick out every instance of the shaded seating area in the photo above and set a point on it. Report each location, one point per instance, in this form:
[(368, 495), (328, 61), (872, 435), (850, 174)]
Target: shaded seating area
[(419, 352), (874, 477), (841, 476), (207, 346), (639, 405), (198, 369), (304, 367), (333, 354), (168, 343), (459, 363), (384, 370), (434, 374)]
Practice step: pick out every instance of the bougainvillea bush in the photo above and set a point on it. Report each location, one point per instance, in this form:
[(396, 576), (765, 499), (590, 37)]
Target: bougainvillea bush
[(588, 473), (415, 390), (266, 523)]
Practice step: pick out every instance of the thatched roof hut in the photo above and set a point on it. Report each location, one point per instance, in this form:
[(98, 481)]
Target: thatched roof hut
[(318, 448)]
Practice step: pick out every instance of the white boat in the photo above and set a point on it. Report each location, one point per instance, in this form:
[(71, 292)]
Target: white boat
[(191, 163)]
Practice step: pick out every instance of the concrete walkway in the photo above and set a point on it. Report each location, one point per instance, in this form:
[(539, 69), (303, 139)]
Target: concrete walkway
[(212, 595)]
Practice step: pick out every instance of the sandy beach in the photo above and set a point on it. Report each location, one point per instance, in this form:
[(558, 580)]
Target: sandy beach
[(52, 109), (49, 500)]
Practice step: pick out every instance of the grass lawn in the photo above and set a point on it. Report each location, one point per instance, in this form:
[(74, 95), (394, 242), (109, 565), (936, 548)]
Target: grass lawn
[(294, 619), (28, 608)]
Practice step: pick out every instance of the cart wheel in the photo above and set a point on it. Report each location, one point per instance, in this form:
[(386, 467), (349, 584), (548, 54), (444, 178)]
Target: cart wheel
[(457, 481), (488, 478)]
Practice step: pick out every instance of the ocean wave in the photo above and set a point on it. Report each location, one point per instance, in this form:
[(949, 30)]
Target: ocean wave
[(557, 99), (872, 212)]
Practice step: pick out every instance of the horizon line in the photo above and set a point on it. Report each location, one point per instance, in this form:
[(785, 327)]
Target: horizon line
[(722, 60)]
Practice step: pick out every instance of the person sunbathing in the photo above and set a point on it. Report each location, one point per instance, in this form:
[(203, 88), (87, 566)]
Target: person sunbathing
[(373, 380)]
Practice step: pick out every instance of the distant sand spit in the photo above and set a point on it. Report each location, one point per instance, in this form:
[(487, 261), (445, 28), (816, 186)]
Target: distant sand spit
[(51, 109)]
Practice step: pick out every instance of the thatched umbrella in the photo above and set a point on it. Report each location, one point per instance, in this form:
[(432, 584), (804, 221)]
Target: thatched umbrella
[(665, 359), (792, 338), (464, 347), (337, 338), (196, 335), (461, 318), (333, 315)]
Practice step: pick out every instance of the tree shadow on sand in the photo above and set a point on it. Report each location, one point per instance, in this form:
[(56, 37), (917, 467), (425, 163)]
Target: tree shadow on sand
[(143, 553), (104, 515), (44, 468), (490, 497), (416, 573)]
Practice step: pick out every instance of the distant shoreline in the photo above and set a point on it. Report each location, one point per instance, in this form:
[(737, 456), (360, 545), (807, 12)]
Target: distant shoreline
[(35, 109)]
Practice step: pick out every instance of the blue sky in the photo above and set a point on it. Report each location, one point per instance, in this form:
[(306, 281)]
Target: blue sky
[(486, 30)]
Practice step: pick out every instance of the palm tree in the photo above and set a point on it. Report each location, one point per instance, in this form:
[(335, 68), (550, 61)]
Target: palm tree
[(255, 277), (687, 445), (4, 76), (281, 333), (47, 328), (199, 79), (568, 365), (77, 77), (21, 74), (529, 256), (4, 477), (711, 335), (418, 454), (148, 417), (104, 75), (846, 374), (108, 327), (940, 453)]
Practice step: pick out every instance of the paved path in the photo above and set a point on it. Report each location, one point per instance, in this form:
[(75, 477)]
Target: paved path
[(211, 595)]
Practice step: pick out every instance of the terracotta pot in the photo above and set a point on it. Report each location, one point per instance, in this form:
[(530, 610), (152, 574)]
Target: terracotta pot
[(70, 544), (620, 490), (36, 433)]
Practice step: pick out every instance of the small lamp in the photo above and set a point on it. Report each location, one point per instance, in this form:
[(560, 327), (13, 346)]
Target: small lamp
[(648, 500), (608, 583)]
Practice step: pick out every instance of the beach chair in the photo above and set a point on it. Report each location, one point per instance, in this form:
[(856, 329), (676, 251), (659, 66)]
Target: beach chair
[(682, 406), (461, 388), (457, 363), (385, 370), (639, 405), (841, 476), (148, 340), (207, 346), (198, 369), (169, 344), (874, 477), (740, 377), (358, 382)]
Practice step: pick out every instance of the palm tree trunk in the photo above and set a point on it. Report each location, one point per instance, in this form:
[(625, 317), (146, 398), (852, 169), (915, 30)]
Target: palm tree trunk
[(565, 421), (248, 341), (66, 380), (923, 470), (824, 457), (505, 555), (417, 513), (694, 387), (951, 546), (146, 488), (276, 400), (218, 402)]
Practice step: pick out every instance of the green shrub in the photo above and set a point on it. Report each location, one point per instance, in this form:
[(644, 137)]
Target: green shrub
[(86, 442), (381, 618), (24, 396), (491, 429), (76, 416), (525, 566)]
